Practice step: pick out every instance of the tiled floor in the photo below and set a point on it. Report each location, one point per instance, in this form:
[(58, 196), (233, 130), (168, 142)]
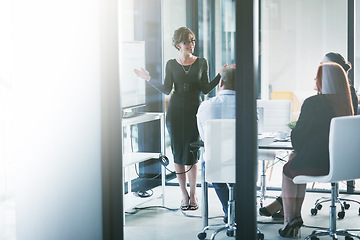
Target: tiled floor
[(155, 223)]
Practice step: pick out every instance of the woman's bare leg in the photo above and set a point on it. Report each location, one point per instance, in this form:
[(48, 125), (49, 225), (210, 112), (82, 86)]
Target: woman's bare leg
[(192, 176), (289, 193), (182, 183), (301, 189), (274, 206), (293, 197)]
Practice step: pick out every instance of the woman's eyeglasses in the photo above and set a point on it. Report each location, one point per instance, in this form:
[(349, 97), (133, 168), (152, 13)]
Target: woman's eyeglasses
[(188, 42)]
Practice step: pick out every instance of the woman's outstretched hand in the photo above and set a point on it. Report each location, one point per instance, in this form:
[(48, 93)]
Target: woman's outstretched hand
[(142, 73), (226, 67)]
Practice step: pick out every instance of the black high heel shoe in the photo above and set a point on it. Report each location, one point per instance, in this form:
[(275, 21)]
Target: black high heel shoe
[(287, 232), (299, 222), (264, 212), (291, 229)]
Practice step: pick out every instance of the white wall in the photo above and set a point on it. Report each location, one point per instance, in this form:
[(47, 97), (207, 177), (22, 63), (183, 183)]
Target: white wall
[(56, 80)]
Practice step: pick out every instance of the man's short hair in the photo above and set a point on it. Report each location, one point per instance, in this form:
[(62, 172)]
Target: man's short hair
[(228, 78)]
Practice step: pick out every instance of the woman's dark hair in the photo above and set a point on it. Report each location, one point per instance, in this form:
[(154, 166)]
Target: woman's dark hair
[(337, 58), (181, 35)]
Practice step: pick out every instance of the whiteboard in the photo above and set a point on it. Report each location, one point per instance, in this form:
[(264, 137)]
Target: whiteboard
[(132, 88)]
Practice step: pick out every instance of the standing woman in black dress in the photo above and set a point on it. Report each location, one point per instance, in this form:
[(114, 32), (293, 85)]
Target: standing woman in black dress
[(188, 75)]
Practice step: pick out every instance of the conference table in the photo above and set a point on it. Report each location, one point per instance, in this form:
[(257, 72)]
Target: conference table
[(270, 147), (265, 141), (268, 141)]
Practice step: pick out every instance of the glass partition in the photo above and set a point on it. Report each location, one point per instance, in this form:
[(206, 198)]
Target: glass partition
[(295, 36), (142, 204)]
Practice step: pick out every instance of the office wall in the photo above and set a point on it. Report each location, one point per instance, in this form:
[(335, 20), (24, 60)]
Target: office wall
[(56, 82)]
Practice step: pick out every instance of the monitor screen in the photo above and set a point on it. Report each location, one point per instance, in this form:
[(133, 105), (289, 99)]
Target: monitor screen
[(132, 88)]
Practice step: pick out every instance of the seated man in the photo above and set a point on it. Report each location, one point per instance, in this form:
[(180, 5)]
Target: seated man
[(220, 107)]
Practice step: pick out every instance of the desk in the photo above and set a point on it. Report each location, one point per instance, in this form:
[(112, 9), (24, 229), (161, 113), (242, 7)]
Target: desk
[(130, 158)]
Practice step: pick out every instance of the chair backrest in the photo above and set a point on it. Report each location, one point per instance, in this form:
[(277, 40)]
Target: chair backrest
[(286, 95), (277, 113), (260, 119), (344, 148), (220, 150)]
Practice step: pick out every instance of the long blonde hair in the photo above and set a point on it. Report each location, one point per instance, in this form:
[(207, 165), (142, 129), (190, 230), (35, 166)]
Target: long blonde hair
[(332, 81)]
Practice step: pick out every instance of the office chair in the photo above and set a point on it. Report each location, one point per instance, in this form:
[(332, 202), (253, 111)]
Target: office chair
[(343, 202), (219, 156), (277, 114), (344, 165), (287, 95)]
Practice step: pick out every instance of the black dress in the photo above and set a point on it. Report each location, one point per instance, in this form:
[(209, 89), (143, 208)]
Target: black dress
[(184, 102)]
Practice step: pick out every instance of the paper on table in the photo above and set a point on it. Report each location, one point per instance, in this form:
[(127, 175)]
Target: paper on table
[(267, 135)]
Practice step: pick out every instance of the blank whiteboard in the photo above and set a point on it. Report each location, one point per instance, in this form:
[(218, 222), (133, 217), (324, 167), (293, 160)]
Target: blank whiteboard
[(132, 88)]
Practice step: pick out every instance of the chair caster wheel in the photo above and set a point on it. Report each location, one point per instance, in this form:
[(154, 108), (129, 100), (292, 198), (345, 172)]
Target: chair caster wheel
[(314, 238), (348, 238), (319, 206), (346, 205), (341, 215), (359, 210), (230, 233), (313, 211), (202, 235), (260, 236)]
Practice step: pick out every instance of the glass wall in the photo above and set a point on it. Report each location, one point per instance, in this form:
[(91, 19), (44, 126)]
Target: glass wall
[(228, 30), (174, 15), (295, 36), (141, 21)]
